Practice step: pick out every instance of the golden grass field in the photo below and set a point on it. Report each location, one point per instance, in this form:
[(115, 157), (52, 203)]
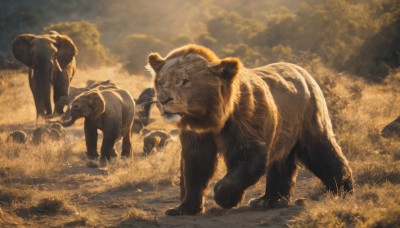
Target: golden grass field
[(50, 185)]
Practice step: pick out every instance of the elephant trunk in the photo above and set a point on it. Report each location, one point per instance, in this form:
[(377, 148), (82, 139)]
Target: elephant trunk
[(42, 78), (73, 116), (70, 122)]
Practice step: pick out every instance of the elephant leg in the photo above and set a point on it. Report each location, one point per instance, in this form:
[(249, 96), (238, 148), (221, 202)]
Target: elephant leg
[(110, 135), (127, 145), (91, 139), (60, 88), (199, 157), (34, 88)]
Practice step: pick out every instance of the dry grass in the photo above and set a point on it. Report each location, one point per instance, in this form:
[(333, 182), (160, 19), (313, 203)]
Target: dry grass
[(136, 217), (53, 177), (371, 206)]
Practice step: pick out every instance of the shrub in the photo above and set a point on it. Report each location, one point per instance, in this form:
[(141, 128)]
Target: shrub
[(136, 47), (86, 37)]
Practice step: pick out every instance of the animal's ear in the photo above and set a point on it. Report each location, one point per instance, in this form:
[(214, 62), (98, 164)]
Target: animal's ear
[(66, 49), (156, 62), (227, 68), (97, 103), (21, 48)]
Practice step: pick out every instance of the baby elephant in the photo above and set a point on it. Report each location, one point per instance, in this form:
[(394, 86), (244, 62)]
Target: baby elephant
[(110, 111), (392, 130), (156, 139)]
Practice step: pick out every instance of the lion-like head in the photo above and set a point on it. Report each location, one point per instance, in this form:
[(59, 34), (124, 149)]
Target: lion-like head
[(195, 89)]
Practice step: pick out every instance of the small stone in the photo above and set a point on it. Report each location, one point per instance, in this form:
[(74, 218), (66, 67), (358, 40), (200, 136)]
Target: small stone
[(92, 164), (300, 202)]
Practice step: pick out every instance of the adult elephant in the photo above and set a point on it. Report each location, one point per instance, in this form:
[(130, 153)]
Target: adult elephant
[(51, 62)]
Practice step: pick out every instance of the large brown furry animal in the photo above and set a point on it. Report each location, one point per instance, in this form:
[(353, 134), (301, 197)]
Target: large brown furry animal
[(392, 130), (261, 120), (110, 111)]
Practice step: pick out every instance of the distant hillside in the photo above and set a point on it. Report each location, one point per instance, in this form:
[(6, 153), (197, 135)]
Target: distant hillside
[(359, 37)]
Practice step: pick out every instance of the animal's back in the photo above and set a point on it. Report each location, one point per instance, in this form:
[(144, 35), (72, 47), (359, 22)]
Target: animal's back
[(299, 101), (121, 101)]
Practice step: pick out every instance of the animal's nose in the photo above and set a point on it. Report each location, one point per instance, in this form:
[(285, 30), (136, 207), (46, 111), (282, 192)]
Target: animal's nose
[(163, 102), (163, 98)]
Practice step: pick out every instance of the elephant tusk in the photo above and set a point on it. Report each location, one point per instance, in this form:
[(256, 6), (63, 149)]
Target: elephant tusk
[(57, 65)]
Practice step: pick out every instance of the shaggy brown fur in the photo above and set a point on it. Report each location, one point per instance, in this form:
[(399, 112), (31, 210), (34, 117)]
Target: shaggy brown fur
[(261, 120), (110, 111), (392, 130)]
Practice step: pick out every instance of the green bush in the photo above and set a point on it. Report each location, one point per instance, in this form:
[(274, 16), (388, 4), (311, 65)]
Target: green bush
[(380, 53), (136, 48), (86, 37)]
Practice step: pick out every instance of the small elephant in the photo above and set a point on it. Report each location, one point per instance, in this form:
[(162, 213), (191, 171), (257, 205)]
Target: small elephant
[(51, 62), (63, 104), (392, 130), (54, 132), (110, 111), (144, 102), (155, 140), (18, 137)]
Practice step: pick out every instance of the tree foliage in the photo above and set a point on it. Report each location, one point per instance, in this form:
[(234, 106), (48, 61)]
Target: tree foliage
[(357, 36), (86, 37)]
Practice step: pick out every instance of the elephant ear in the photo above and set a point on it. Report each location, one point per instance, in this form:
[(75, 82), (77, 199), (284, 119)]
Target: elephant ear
[(21, 47), (66, 49), (97, 103)]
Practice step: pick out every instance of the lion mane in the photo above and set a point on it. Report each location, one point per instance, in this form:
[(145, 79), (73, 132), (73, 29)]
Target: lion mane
[(262, 120)]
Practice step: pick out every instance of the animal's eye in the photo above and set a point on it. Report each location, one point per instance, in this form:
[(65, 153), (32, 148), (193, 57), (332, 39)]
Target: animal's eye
[(159, 84), (184, 82)]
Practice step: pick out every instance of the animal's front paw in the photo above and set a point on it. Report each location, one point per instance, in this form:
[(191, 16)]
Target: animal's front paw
[(263, 203), (183, 209)]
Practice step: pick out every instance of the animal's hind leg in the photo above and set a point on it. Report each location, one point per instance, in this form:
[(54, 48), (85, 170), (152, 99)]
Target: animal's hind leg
[(126, 145), (324, 158), (281, 177), (91, 139)]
